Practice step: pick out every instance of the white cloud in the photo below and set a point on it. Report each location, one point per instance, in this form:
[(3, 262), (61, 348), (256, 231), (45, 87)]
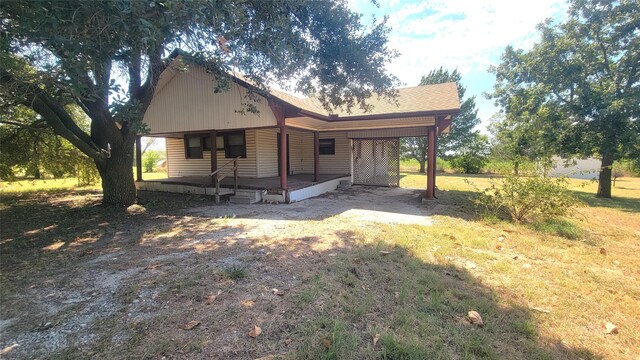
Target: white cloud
[(467, 34)]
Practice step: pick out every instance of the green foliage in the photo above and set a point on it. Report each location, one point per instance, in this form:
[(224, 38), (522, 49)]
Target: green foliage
[(583, 79), (464, 122), (472, 156), (235, 273), (461, 131), (31, 148), (559, 227), (150, 158), (523, 198), (86, 171), (497, 165)]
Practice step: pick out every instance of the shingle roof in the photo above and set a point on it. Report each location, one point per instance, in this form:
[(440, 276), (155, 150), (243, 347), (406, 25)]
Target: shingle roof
[(416, 99)]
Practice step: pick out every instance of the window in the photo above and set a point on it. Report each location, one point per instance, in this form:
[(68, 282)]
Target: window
[(193, 146), (327, 146), (206, 140), (234, 145)]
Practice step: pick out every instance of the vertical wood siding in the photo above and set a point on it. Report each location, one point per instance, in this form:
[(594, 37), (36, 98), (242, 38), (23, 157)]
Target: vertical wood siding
[(340, 163), (188, 103), (267, 152), (177, 165)]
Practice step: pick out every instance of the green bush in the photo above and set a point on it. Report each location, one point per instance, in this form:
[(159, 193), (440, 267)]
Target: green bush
[(150, 158), (472, 155), (523, 198), (86, 171), (468, 163)]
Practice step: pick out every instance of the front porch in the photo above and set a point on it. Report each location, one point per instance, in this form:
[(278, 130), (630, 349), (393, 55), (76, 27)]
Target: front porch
[(300, 186), (295, 182)]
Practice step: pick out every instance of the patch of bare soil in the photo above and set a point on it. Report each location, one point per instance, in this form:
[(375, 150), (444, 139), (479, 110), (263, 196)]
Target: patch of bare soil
[(181, 277)]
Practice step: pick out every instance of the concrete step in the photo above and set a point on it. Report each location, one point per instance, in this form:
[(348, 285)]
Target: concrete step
[(246, 197)]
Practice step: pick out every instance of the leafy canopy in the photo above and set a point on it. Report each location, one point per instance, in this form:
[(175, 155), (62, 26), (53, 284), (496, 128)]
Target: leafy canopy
[(462, 126), (587, 69)]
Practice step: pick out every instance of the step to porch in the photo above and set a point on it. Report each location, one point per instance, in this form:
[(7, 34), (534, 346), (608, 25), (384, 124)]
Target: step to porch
[(244, 196)]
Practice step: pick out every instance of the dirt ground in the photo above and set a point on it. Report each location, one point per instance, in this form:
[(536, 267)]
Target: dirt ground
[(365, 273), (97, 291)]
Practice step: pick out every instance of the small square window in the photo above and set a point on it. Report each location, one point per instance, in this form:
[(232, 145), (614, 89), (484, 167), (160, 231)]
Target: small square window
[(193, 147), (327, 146), (235, 145)]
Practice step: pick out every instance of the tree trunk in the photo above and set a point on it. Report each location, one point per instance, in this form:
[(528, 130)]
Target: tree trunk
[(422, 166), (516, 168), (604, 180), (118, 187)]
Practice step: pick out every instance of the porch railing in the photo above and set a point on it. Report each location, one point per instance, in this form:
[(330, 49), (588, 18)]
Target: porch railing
[(222, 172)]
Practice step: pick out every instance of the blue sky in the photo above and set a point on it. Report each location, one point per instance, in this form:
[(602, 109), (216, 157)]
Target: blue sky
[(469, 35)]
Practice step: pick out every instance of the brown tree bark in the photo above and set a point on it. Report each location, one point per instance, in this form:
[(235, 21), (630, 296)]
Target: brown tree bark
[(604, 179), (118, 187), (422, 166)]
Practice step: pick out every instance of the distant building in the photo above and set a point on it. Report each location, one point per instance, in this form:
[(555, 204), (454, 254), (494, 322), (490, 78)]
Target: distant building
[(588, 168)]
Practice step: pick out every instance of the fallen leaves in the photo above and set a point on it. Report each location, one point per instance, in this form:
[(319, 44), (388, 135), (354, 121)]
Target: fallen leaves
[(603, 251), (475, 318), (211, 298), (609, 328), (247, 304), (255, 331), (190, 325), (376, 338), (326, 343), (278, 292), (385, 253), (540, 310)]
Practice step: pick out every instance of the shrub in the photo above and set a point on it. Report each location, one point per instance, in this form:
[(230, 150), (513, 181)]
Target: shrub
[(523, 198), (468, 163), (472, 155), (86, 171), (150, 158)]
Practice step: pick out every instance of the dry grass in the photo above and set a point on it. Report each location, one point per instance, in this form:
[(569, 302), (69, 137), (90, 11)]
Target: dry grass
[(133, 280)]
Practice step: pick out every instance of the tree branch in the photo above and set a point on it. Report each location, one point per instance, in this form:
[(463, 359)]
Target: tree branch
[(38, 125)]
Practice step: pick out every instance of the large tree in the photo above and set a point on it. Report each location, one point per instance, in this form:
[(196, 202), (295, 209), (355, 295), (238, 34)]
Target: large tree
[(461, 127), (588, 68), (106, 57)]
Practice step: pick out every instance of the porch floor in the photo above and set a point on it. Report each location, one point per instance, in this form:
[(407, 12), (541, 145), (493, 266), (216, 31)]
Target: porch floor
[(294, 182)]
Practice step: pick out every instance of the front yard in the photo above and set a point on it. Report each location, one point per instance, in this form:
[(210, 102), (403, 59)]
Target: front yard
[(361, 274)]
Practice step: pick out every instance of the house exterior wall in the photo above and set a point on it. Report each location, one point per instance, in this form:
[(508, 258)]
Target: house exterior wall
[(262, 154), (188, 103), (267, 152), (178, 165), (340, 163)]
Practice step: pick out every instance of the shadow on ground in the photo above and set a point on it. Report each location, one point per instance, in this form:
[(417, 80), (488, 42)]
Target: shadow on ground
[(83, 281)]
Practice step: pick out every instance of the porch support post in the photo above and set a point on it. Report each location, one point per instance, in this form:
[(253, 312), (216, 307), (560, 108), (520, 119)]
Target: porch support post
[(431, 163), (316, 156), (283, 157), (214, 155), (278, 112), (138, 158)]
